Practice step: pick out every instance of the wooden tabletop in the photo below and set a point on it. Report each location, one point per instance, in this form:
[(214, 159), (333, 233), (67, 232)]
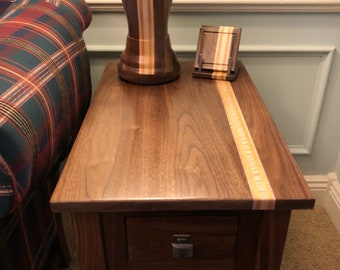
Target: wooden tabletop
[(171, 147)]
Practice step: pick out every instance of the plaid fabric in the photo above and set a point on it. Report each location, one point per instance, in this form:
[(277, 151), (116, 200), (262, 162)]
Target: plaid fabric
[(4, 4), (44, 90), (76, 11), (27, 235)]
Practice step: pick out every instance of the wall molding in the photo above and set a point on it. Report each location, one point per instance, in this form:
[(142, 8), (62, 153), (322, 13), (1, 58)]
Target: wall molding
[(337, 168), (320, 86), (319, 185), (326, 53), (326, 191), (295, 6)]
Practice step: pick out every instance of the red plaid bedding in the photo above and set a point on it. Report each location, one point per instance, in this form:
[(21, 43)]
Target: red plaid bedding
[(44, 90)]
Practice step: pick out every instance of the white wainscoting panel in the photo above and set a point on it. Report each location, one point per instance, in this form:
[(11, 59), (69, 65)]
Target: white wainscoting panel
[(292, 82)]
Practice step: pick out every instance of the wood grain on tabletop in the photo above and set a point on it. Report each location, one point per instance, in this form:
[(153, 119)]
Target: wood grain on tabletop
[(171, 143)]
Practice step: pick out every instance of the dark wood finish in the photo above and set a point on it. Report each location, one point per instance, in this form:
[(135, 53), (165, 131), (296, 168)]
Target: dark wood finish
[(150, 238), (247, 240), (169, 147), (148, 57), (89, 236), (272, 237), (114, 235), (147, 153)]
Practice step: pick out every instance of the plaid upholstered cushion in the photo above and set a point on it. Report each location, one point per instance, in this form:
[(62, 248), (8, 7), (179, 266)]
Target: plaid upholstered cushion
[(44, 90), (76, 11), (4, 4)]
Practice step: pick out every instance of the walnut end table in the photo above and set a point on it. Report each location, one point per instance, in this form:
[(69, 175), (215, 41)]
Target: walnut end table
[(192, 174)]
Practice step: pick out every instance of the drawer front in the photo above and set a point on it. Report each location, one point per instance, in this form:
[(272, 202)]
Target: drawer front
[(151, 242)]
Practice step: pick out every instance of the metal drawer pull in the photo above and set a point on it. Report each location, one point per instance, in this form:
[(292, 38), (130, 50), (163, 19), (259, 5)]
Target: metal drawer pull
[(182, 246)]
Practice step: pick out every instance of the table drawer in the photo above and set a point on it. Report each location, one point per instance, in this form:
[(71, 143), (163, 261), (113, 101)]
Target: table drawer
[(150, 242)]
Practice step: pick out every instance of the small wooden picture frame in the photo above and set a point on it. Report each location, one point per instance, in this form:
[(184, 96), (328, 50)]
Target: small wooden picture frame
[(217, 52)]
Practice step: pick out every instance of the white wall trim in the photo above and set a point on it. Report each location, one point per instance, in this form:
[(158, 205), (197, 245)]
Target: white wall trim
[(337, 168), (232, 6), (332, 202), (319, 93), (252, 49), (319, 185), (326, 191), (320, 86)]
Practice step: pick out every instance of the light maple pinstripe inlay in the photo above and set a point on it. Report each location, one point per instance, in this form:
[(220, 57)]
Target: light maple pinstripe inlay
[(146, 37), (263, 196), (221, 54)]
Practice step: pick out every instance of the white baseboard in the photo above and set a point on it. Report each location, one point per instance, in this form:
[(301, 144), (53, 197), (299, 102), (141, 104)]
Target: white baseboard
[(326, 191), (318, 184)]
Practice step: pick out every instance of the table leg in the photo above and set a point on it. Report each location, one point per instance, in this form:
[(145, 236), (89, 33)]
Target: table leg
[(272, 238), (88, 234)]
